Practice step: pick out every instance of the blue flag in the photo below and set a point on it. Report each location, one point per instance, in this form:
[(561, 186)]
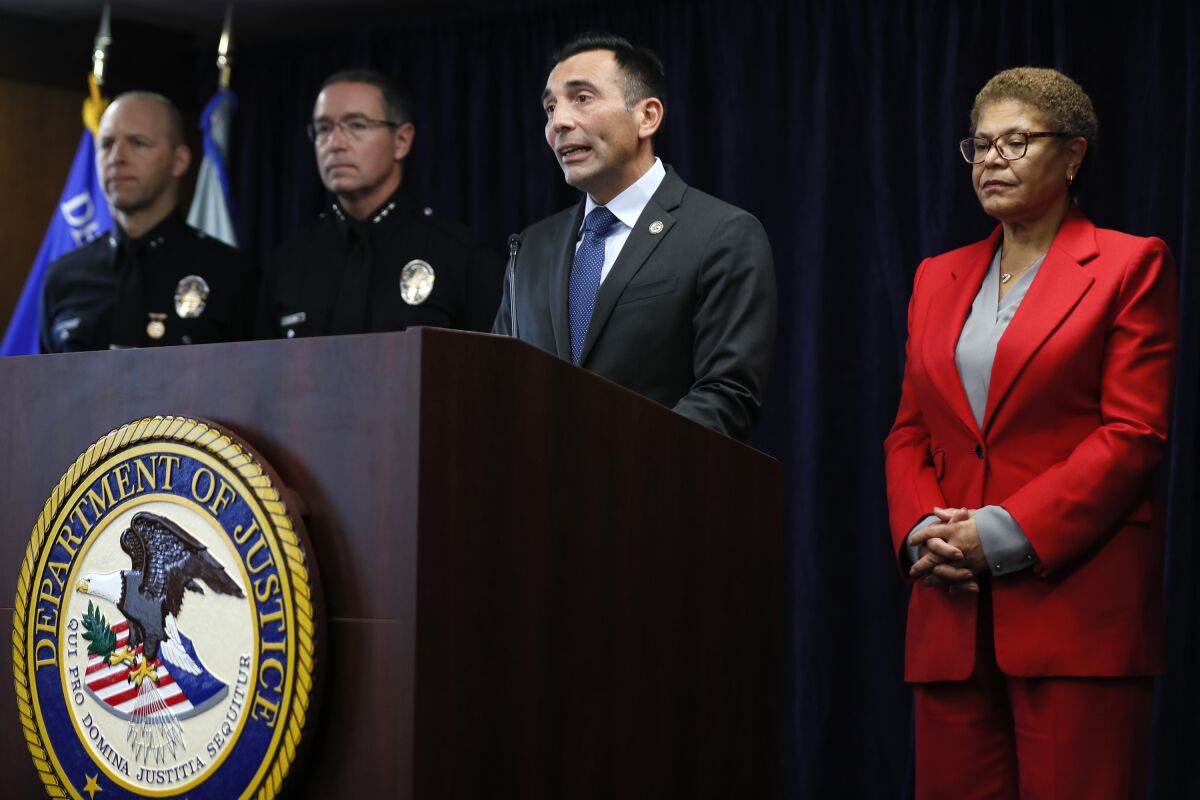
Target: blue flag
[(82, 216), (212, 208)]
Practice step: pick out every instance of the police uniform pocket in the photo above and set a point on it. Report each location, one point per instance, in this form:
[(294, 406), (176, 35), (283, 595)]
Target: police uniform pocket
[(300, 323), (65, 329), (77, 332)]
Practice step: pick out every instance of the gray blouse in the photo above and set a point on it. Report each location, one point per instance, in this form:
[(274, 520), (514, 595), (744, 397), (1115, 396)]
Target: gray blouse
[(987, 322), (1005, 545)]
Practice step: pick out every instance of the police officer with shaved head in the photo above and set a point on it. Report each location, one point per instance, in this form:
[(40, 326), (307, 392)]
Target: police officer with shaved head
[(376, 260), (153, 280)]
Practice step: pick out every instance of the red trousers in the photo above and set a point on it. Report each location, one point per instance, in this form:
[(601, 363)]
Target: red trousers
[(994, 736)]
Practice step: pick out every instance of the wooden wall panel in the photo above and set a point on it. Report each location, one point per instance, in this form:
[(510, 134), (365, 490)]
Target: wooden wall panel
[(39, 130)]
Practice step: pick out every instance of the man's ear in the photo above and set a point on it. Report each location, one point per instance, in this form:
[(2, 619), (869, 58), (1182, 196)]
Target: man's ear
[(182, 159), (650, 118), (403, 140)]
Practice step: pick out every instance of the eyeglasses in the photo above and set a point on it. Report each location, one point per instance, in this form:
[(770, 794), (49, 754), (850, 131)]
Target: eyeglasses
[(353, 128), (1010, 146)]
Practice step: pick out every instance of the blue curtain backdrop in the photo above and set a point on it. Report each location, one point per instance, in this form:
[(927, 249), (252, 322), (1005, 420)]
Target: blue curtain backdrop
[(835, 123)]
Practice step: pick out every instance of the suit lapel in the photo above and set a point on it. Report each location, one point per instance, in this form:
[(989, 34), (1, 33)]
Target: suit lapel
[(945, 316), (1056, 289), (563, 253), (638, 248)]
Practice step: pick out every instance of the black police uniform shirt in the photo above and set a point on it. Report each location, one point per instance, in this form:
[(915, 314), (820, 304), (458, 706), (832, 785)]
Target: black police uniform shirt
[(118, 291), (400, 267)]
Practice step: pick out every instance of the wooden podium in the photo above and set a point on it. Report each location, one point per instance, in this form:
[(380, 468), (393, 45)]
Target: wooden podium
[(537, 584)]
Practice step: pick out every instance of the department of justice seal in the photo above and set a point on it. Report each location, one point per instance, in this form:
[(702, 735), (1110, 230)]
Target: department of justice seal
[(416, 282), (164, 629)]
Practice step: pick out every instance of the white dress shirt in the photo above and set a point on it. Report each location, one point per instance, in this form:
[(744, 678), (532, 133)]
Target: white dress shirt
[(626, 207)]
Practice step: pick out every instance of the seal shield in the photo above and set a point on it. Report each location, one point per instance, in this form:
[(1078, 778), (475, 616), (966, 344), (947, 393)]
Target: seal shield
[(164, 628)]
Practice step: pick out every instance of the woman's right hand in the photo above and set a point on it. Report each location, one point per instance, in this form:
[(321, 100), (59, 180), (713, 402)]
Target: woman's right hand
[(940, 561)]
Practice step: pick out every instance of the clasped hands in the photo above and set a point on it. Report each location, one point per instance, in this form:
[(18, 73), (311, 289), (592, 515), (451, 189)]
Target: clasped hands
[(950, 551)]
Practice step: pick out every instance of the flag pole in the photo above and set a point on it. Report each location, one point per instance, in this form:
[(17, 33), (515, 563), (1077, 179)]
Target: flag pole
[(211, 210), (225, 48), (100, 48), (94, 105)]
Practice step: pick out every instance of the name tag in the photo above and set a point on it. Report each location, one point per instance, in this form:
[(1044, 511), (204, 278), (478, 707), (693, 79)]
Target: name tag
[(292, 319), (63, 328)]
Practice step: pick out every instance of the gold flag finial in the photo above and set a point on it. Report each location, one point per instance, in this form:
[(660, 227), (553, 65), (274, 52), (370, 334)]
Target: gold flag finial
[(225, 48), (100, 47)]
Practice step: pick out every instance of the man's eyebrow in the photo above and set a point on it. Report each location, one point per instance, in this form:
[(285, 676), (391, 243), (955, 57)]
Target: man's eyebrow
[(578, 83)]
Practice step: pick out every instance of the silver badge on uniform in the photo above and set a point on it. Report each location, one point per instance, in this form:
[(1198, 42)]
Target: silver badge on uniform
[(191, 297), (156, 327), (416, 282)]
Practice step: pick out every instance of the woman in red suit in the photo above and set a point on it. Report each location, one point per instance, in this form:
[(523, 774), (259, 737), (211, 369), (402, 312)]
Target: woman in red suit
[(1034, 409)]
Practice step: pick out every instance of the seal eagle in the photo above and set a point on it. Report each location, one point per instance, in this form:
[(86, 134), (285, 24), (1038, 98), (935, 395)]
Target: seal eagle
[(165, 561)]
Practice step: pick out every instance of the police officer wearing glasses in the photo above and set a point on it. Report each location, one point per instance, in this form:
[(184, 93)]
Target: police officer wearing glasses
[(376, 260)]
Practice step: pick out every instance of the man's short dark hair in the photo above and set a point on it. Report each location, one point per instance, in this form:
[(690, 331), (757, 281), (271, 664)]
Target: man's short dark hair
[(396, 100), (641, 69)]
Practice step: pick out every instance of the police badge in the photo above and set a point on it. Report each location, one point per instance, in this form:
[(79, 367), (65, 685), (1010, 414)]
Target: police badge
[(416, 282), (191, 297), (164, 638)]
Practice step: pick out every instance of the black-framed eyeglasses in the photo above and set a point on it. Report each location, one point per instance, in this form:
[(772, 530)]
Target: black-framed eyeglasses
[(355, 128), (1010, 146)]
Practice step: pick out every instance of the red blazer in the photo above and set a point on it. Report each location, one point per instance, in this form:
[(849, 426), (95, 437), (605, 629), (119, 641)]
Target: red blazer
[(1075, 423)]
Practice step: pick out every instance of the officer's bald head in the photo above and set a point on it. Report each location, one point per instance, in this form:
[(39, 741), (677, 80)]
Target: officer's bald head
[(171, 117)]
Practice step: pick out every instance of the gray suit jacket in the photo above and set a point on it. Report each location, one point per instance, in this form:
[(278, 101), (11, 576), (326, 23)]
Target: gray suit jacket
[(685, 317)]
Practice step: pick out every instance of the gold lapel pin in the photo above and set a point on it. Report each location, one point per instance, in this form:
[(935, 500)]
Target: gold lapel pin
[(656, 227)]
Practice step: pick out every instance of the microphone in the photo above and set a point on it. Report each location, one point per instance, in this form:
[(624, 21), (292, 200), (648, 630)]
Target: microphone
[(514, 246)]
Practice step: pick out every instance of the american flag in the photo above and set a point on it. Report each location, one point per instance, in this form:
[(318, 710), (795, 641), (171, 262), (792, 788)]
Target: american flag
[(110, 684)]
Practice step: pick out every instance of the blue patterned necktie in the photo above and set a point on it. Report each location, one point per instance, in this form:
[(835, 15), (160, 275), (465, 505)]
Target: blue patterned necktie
[(585, 275)]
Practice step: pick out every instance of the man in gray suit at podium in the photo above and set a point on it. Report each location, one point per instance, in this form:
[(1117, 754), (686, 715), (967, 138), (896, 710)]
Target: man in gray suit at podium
[(666, 290)]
